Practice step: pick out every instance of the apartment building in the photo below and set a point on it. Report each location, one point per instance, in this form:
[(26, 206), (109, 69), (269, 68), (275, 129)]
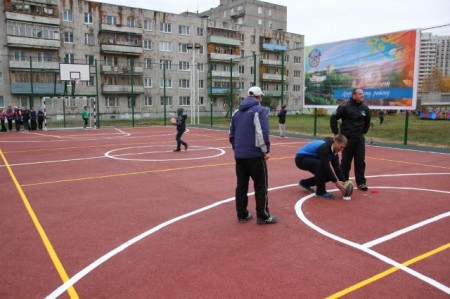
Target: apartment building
[(146, 60), (434, 52)]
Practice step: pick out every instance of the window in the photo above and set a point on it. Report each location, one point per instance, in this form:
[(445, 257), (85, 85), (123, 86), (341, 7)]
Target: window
[(147, 82), (184, 65), (200, 67), (260, 10), (19, 55), (89, 39), (184, 30), (168, 83), (70, 102), (68, 16), (200, 31), (168, 101), (131, 100), (182, 48), (45, 57), (201, 84), (147, 44), (259, 22), (130, 22), (88, 18), (148, 63), (184, 101), (111, 60), (201, 101), (183, 83), (91, 81), (167, 63), (296, 87), (2, 100), (242, 53), (241, 69), (111, 20), (90, 59), (148, 25), (297, 74), (69, 58), (165, 46), (297, 59), (148, 101), (165, 27), (252, 39), (68, 37), (111, 102)]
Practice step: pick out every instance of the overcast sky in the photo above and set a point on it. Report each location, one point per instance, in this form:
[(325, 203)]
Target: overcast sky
[(323, 21)]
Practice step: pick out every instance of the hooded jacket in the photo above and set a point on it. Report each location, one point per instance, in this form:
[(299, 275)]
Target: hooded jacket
[(181, 120), (249, 130), (355, 119)]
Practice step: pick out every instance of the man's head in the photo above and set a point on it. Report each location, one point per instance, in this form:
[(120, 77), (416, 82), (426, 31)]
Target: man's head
[(255, 91), (339, 143), (358, 95)]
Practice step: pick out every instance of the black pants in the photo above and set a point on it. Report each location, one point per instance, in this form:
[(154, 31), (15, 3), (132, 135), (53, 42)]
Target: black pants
[(355, 149), (40, 122), (179, 140), (33, 125), (255, 168), (3, 129), (316, 167)]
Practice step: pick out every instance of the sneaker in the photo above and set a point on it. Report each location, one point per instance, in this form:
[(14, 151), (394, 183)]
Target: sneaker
[(176, 150), (326, 195), (186, 147), (243, 220), (307, 188), (270, 220), (363, 187)]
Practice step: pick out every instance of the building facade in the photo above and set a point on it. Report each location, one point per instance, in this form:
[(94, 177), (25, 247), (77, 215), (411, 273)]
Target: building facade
[(147, 61), (434, 52)]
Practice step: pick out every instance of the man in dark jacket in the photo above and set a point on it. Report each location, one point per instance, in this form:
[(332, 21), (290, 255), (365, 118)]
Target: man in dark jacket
[(181, 128), (282, 121), (355, 117), (316, 158), (249, 137)]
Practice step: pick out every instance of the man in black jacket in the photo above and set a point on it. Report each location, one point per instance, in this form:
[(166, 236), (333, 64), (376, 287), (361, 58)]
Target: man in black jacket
[(355, 122)]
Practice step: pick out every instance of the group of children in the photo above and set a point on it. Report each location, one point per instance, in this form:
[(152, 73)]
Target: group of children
[(30, 119)]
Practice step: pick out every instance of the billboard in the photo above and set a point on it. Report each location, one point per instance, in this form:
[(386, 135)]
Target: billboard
[(384, 66)]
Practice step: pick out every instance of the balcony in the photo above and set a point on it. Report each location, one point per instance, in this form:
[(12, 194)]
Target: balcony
[(223, 91), (30, 42), (122, 49), (222, 57), (38, 88), (122, 89), (272, 77), (115, 69), (274, 93), (32, 18), (270, 62), (121, 28), (36, 65), (272, 47), (225, 74), (213, 39)]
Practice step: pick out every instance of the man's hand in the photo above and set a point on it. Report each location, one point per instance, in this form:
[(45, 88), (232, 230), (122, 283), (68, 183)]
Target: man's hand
[(267, 156), (340, 186)]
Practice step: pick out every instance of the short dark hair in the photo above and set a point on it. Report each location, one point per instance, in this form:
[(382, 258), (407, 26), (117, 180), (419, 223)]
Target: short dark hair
[(339, 138)]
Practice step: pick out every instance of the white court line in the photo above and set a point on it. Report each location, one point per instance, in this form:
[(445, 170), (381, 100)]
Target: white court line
[(383, 258), (61, 289)]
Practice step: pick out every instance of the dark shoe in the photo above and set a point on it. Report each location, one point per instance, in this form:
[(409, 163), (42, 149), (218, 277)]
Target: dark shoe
[(326, 195), (270, 220), (186, 147), (363, 187), (243, 220), (176, 150), (307, 188)]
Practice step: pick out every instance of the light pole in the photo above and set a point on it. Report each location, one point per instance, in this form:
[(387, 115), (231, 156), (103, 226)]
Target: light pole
[(194, 47)]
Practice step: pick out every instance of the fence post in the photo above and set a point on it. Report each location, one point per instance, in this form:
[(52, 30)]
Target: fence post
[(405, 139), (315, 122)]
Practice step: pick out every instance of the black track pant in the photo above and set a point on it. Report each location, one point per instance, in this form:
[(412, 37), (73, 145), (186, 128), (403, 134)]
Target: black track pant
[(355, 149)]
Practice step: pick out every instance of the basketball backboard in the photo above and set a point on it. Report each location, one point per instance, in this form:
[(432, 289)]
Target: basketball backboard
[(74, 72)]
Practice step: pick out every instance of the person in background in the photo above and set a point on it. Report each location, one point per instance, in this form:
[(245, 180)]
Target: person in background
[(316, 157), (40, 119), (181, 128), (249, 138), (9, 117), (26, 119), (17, 118), (381, 116), (355, 122), (2, 120), (33, 118), (85, 116), (282, 121)]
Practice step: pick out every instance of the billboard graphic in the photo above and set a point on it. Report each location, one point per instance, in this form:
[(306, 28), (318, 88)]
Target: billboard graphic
[(384, 66)]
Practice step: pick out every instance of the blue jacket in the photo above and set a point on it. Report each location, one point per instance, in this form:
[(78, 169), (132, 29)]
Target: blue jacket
[(322, 150), (249, 130)]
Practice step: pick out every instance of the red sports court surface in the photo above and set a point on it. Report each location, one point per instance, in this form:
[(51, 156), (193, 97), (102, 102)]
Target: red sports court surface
[(114, 213)]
